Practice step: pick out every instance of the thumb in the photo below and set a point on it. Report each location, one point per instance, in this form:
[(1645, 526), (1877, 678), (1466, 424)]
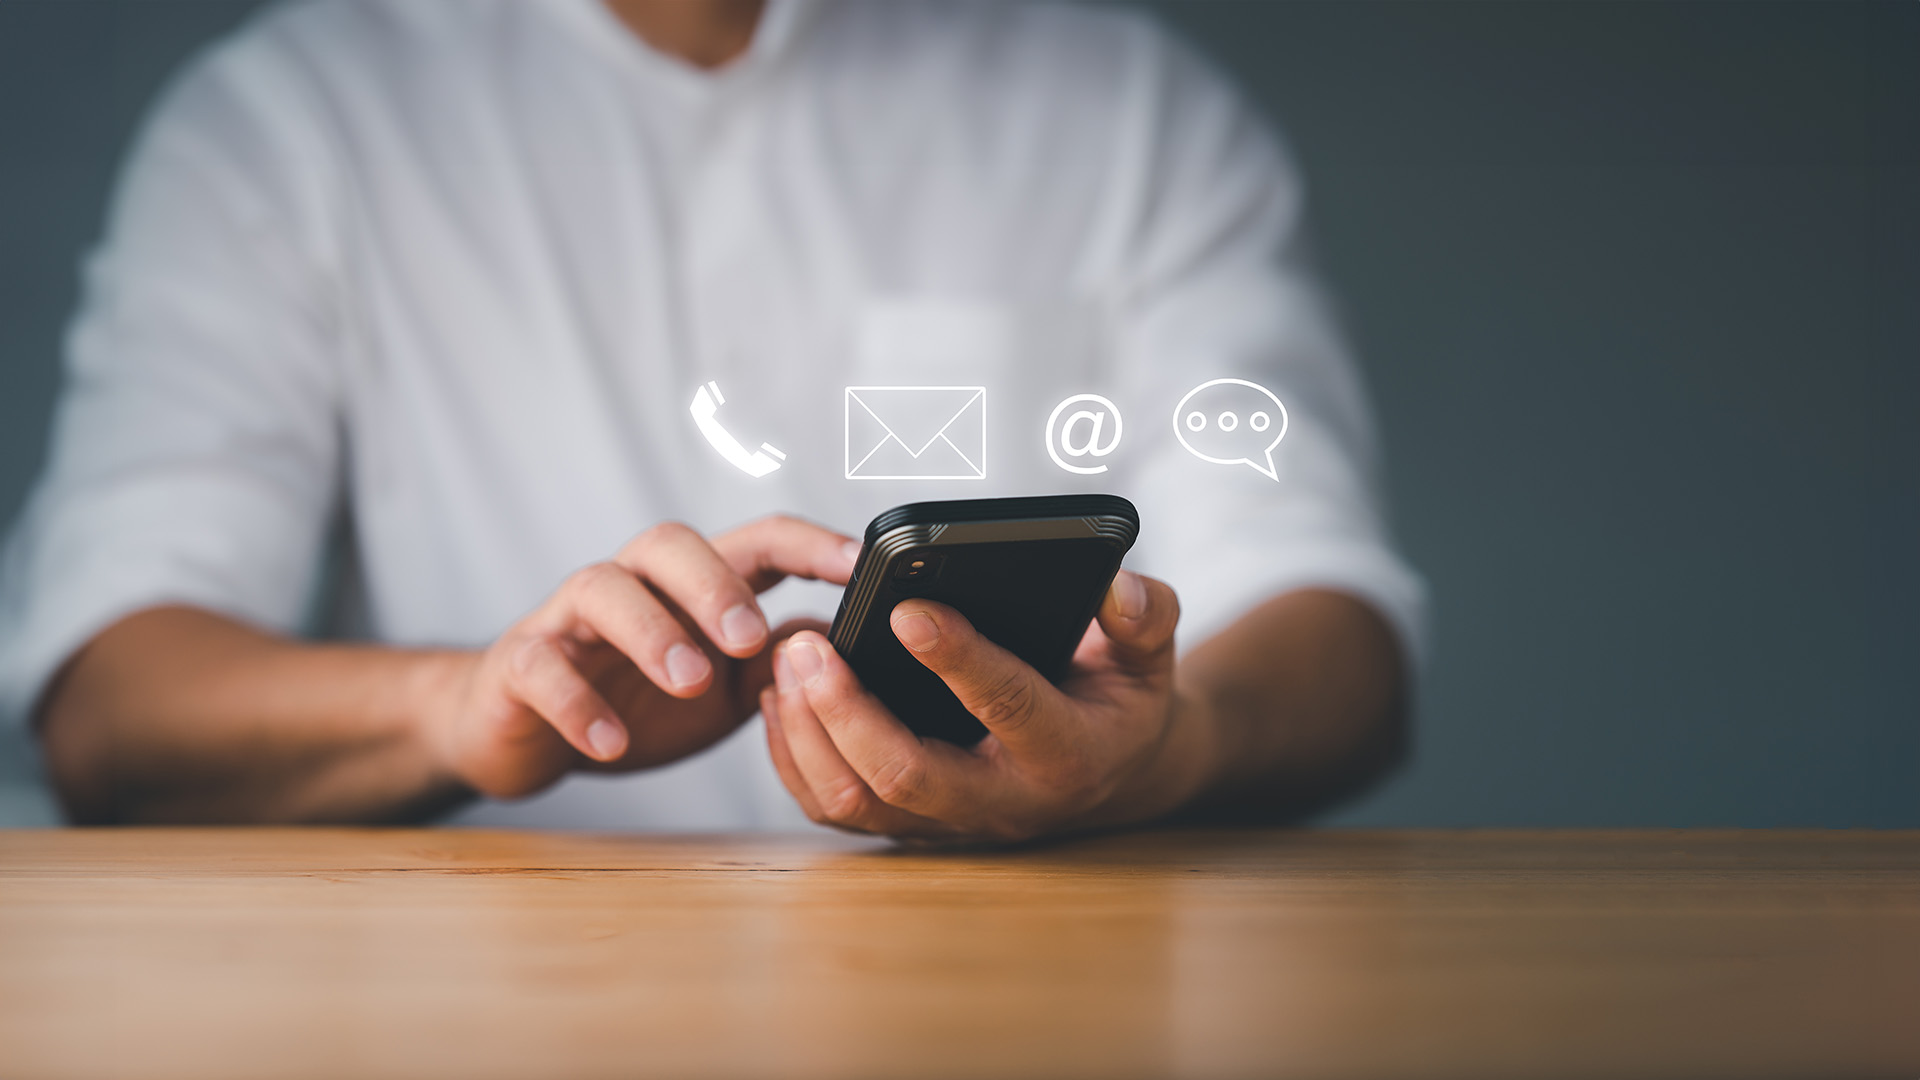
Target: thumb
[(1138, 616), (1016, 703)]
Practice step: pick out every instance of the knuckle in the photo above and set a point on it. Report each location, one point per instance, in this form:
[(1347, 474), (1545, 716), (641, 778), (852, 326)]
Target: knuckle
[(725, 591), (1078, 781), (672, 532), (652, 540), (590, 579), (1073, 764), (845, 803), (1006, 702), (829, 702), (570, 698), (524, 656), (900, 780)]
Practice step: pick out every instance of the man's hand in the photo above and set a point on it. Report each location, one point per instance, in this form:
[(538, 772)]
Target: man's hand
[(177, 714), (632, 663), (1113, 743)]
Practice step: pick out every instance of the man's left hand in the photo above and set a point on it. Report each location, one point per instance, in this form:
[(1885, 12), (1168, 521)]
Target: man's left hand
[(1113, 743)]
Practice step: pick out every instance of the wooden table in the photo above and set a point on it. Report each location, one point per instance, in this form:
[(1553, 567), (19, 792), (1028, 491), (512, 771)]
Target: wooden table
[(331, 953)]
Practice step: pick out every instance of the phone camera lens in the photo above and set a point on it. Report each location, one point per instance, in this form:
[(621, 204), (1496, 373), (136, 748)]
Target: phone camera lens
[(917, 567)]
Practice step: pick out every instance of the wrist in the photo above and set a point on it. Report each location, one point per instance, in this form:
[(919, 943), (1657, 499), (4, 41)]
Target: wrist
[(434, 692), (1191, 752), (1176, 771)]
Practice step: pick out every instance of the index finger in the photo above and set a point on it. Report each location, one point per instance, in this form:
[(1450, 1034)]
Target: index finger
[(1017, 704), (928, 777), (773, 548)]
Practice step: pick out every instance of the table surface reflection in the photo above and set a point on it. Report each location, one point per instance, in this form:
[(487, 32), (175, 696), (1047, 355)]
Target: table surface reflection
[(376, 952)]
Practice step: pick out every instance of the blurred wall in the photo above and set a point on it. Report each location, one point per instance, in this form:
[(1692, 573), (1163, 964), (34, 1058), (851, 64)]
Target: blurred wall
[(1636, 285)]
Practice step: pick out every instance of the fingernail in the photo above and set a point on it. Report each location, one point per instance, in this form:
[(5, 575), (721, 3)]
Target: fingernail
[(806, 660), (608, 739), (742, 626), (851, 551), (916, 630), (1129, 595), (686, 665)]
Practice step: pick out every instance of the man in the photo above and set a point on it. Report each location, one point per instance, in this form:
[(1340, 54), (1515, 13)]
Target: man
[(452, 270)]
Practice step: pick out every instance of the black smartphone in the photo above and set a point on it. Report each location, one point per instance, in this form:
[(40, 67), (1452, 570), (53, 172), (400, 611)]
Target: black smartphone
[(1028, 573)]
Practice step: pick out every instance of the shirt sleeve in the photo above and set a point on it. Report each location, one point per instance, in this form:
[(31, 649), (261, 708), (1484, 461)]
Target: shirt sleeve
[(1214, 282), (195, 444)]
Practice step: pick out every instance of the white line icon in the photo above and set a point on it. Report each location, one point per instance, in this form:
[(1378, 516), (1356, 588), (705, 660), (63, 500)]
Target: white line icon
[(1095, 419), (1254, 446), (916, 432), (755, 463)]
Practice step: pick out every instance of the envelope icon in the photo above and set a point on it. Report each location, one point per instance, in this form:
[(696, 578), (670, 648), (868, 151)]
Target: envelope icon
[(916, 433)]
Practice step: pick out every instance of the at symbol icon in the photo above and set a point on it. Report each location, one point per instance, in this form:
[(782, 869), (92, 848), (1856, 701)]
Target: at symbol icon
[(1080, 435)]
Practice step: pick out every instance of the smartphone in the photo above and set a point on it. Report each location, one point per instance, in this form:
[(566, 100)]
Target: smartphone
[(1028, 573)]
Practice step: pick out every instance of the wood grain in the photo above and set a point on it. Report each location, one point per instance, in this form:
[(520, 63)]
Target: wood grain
[(326, 953)]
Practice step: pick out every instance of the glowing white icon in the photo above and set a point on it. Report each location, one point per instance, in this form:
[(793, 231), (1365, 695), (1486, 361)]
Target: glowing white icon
[(916, 433), (1208, 423), (1091, 421), (707, 401)]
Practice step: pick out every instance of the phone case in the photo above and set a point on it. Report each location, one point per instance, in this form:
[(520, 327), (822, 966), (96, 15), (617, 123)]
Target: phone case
[(1028, 573)]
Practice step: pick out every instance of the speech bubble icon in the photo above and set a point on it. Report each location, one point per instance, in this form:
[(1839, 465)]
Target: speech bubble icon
[(1232, 422)]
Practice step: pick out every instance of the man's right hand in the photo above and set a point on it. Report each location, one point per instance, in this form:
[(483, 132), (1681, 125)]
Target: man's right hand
[(632, 663)]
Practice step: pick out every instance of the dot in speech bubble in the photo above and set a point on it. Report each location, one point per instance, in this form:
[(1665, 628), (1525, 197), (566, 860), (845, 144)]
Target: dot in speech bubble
[(1232, 422)]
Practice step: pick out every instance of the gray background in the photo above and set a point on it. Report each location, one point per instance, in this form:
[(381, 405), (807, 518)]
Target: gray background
[(1636, 287)]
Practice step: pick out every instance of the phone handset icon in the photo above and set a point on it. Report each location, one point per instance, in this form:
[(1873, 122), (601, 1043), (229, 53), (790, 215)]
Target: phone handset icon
[(752, 462)]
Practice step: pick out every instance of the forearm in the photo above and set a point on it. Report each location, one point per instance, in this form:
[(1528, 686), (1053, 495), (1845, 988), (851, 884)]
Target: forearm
[(177, 714), (1300, 703)]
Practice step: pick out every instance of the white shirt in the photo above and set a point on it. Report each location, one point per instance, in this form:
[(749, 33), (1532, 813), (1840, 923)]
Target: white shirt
[(460, 268)]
